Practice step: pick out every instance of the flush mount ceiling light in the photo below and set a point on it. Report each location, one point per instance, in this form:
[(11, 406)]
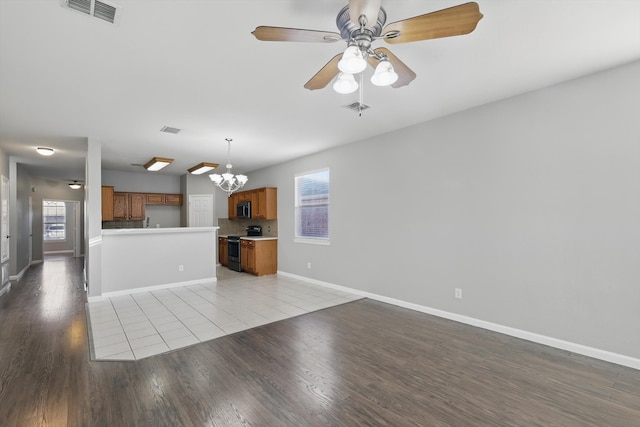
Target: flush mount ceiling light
[(45, 151), (228, 182), (75, 185), (201, 168), (157, 163)]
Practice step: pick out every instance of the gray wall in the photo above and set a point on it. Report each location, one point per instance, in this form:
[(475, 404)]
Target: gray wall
[(530, 205)]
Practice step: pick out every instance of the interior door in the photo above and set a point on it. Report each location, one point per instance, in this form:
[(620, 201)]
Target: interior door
[(200, 210)]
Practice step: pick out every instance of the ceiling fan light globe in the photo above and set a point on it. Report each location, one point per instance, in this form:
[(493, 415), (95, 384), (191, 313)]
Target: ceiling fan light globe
[(384, 74), (352, 61), (345, 83)]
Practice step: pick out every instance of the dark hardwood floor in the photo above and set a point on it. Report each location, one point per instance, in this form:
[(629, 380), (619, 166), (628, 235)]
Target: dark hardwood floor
[(362, 363)]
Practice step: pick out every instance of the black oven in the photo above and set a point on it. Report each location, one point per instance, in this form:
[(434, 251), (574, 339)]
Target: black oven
[(233, 261)]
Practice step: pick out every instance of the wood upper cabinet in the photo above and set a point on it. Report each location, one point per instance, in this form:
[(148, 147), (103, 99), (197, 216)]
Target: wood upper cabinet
[(155, 199), (128, 206), (232, 203), (223, 250), (163, 199), (264, 203), (136, 206), (120, 206), (107, 203), (173, 199)]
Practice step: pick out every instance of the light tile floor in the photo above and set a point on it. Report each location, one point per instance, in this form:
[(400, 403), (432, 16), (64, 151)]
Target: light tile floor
[(132, 327)]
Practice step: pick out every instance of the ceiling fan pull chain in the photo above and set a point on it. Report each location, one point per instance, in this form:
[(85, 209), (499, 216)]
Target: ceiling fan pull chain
[(361, 95)]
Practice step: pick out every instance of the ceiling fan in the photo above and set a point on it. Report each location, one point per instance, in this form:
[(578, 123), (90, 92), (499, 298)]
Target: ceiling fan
[(361, 23)]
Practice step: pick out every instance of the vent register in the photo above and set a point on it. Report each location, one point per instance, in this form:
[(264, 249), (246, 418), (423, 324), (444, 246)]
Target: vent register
[(96, 8)]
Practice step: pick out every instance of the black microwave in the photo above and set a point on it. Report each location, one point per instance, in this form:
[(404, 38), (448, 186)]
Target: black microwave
[(243, 210)]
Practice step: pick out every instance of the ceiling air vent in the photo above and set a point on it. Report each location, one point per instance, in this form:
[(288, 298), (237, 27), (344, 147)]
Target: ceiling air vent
[(96, 8), (169, 129)]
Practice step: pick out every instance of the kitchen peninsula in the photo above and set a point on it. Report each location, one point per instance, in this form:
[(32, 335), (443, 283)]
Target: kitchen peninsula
[(142, 259)]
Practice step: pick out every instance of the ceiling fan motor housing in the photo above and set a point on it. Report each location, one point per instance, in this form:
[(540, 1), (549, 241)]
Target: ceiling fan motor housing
[(362, 36)]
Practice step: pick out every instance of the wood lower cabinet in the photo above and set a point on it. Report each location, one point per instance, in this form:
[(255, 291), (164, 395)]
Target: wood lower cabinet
[(107, 203), (223, 251), (128, 206), (259, 257)]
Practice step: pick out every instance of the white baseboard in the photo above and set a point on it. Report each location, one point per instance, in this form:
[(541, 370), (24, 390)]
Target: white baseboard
[(19, 275), (596, 353), (66, 251), (106, 295), (6, 289)]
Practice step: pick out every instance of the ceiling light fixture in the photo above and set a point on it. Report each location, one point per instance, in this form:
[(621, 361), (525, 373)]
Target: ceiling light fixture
[(45, 151), (201, 168), (75, 185), (345, 83), (228, 182), (157, 163), (354, 63)]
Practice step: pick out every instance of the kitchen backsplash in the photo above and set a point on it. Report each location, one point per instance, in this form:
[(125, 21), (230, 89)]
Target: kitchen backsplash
[(122, 224), (238, 226)]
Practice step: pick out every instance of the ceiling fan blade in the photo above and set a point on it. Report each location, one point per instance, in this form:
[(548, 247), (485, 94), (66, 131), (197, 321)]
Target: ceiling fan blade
[(368, 8), (281, 34), (405, 74), (325, 75), (454, 21)]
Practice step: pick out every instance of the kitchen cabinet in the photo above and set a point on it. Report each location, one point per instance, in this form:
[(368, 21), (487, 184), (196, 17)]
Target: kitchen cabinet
[(264, 203), (163, 199), (107, 203), (128, 206), (173, 199), (232, 202), (223, 251), (259, 257), (247, 256)]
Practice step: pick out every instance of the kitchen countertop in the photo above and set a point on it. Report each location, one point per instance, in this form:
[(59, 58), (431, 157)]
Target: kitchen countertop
[(249, 237), (257, 238)]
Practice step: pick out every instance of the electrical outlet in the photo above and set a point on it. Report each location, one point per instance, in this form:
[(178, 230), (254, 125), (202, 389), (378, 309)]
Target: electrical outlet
[(181, 267), (309, 265), (458, 293)]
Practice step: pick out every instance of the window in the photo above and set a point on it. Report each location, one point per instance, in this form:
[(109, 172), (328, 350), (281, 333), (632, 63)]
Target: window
[(312, 207), (54, 218)]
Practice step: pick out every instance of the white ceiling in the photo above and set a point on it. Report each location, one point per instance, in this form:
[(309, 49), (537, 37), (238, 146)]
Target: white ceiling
[(194, 65)]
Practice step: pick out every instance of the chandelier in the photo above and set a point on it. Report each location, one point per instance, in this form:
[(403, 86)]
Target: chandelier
[(228, 182)]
